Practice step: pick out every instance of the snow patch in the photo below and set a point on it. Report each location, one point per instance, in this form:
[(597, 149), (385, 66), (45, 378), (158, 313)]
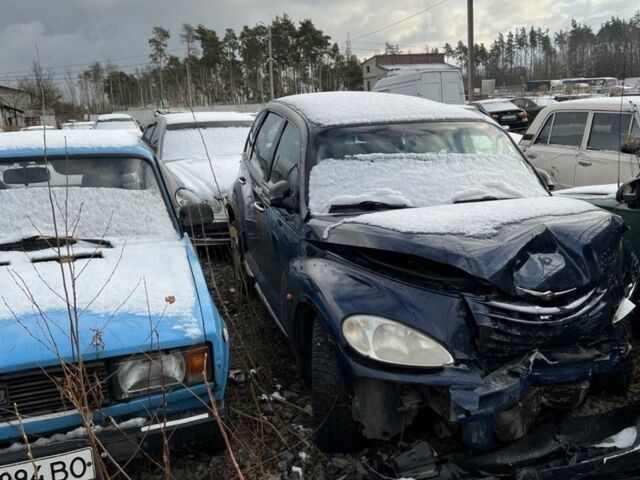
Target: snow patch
[(606, 190), (419, 180), (624, 439), (357, 108), (477, 219)]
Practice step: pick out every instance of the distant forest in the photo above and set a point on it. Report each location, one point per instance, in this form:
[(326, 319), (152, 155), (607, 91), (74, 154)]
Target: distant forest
[(530, 54), (233, 67)]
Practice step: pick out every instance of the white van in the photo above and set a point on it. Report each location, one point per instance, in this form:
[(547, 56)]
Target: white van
[(438, 82)]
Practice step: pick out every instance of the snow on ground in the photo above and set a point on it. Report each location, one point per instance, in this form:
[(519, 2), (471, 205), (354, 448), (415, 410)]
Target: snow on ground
[(418, 180), (624, 439), (347, 108), (58, 139), (480, 219), (186, 157)]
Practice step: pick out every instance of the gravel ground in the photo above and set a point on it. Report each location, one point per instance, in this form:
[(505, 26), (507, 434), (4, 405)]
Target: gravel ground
[(268, 406)]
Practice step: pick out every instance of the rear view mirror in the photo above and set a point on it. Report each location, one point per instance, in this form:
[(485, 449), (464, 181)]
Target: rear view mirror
[(280, 196), (631, 146), (195, 215), (25, 175), (629, 193)]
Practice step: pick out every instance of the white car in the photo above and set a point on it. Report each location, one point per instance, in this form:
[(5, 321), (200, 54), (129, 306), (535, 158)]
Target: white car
[(118, 121), (202, 152), (586, 142)]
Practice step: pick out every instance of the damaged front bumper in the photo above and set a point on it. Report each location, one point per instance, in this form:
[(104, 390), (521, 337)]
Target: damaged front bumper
[(599, 446), (498, 407)]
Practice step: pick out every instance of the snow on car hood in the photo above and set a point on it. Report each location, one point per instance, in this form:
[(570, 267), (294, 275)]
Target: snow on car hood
[(504, 242), (418, 180), (186, 153), (128, 299), (197, 175)]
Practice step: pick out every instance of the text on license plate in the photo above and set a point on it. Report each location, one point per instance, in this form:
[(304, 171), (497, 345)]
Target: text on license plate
[(76, 465), (508, 117)]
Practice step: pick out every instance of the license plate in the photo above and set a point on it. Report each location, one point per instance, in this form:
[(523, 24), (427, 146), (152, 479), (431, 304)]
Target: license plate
[(509, 117), (76, 465)]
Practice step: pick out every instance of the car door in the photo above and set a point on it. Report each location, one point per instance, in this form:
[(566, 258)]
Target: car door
[(603, 160), (278, 227), (556, 146), (253, 181)]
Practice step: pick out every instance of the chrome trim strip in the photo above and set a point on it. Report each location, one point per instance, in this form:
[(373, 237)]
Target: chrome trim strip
[(173, 423), (536, 310)]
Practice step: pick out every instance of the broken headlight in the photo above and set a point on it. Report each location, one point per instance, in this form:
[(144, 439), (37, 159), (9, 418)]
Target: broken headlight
[(153, 372), (389, 341)]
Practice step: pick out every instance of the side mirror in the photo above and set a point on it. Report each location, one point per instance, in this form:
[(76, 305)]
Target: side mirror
[(195, 215), (546, 178), (280, 196), (629, 193)]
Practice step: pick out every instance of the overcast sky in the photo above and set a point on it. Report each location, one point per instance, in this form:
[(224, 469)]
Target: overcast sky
[(76, 32)]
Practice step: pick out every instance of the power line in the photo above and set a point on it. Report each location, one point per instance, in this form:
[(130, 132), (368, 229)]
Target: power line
[(402, 20), (107, 60)]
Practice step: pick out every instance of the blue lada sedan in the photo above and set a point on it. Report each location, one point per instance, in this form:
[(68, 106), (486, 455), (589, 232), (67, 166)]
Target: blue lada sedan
[(106, 322)]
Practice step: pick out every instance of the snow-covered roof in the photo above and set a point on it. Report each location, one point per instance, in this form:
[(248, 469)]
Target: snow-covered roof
[(73, 142), (480, 219), (106, 117), (362, 108), (626, 103), (205, 117)]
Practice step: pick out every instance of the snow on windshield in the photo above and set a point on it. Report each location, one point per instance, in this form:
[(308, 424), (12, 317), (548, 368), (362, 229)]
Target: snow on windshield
[(480, 219), (88, 212), (418, 180), (187, 143)]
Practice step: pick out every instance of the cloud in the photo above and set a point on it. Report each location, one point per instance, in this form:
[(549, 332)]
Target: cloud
[(71, 32)]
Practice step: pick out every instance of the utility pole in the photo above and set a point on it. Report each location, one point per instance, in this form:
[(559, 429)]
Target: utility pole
[(270, 66), (470, 44)]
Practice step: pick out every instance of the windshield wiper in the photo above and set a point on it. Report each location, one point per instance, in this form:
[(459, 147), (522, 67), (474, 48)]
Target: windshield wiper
[(488, 198), (369, 205), (39, 242)]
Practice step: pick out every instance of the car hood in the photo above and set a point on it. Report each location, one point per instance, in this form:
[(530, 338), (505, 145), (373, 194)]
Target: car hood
[(134, 297), (533, 244), (207, 178)]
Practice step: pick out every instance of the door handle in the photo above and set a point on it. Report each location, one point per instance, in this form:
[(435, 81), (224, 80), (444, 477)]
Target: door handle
[(532, 155), (242, 180), (585, 162), (259, 206)]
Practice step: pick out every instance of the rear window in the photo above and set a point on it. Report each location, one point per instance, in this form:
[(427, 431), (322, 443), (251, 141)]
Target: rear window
[(499, 106), (609, 131)]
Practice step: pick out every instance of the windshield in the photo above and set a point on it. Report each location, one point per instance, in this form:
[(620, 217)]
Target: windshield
[(222, 139), (94, 198), (120, 124), (416, 165)]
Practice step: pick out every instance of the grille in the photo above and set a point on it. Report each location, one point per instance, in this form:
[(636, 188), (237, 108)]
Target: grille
[(507, 329), (36, 391)]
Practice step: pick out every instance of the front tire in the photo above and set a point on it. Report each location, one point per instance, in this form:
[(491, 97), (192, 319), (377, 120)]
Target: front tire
[(337, 431)]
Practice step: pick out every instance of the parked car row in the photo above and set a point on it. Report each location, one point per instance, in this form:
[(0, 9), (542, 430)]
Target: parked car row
[(409, 251)]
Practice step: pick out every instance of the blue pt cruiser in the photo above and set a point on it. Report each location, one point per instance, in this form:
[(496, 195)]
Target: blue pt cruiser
[(422, 272), (105, 313)]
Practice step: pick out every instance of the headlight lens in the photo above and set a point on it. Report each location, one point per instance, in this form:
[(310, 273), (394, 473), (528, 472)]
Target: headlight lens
[(143, 374), (216, 205), (185, 197), (388, 341)]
